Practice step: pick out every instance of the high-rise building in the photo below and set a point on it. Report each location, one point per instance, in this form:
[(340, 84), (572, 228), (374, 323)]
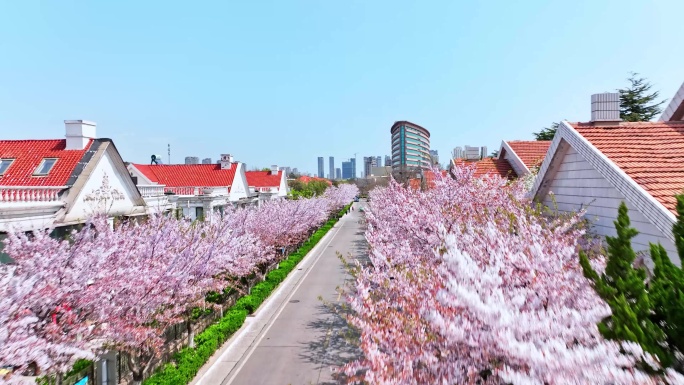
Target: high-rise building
[(320, 167), (331, 160), (295, 171), (435, 156), (338, 173), (346, 170), (368, 163), (410, 146), (206, 161), (378, 161), (457, 153), (191, 160), (349, 169), (388, 161)]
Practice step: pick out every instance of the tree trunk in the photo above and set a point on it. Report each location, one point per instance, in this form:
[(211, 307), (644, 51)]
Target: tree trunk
[(191, 334), (135, 364)]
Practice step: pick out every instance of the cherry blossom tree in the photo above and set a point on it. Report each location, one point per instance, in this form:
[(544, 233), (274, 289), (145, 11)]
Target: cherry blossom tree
[(470, 283), (122, 288)]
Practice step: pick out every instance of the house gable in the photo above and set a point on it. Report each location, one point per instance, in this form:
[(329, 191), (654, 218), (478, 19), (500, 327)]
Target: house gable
[(507, 153), (104, 186), (578, 185), (284, 189), (239, 189), (578, 173), (675, 109)]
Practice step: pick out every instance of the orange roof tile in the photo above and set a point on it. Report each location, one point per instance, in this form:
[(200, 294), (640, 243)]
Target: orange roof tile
[(263, 178), (492, 166), (651, 153), (188, 175), (531, 152), (28, 154)]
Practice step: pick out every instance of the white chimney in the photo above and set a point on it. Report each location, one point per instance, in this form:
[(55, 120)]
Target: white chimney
[(605, 107), (226, 161), (79, 133), (274, 169)]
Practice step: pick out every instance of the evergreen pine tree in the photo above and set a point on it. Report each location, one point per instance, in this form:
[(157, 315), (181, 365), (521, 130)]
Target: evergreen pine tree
[(667, 286), (636, 104), (547, 133), (623, 288)]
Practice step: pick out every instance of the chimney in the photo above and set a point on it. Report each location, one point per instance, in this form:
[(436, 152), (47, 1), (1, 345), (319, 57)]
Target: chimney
[(78, 133), (226, 161), (605, 108), (274, 169)]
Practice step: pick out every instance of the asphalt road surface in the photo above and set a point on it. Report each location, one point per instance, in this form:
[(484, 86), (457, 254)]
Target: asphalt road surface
[(295, 337)]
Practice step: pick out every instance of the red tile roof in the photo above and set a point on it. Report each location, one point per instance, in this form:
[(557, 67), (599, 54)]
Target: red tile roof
[(263, 178), (531, 152), (188, 175), (492, 166), (651, 153), (28, 155), (429, 180)]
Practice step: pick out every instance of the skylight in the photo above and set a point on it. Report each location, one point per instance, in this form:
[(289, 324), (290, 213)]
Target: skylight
[(45, 166), (4, 165)]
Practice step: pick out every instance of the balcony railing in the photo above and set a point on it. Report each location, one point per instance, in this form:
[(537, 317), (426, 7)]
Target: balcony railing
[(154, 190), (197, 190), (30, 194)]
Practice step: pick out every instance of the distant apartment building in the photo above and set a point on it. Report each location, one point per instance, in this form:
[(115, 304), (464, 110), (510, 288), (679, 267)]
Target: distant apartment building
[(321, 173), (349, 169), (191, 160), (331, 169), (457, 153), (368, 163), (434, 155), (388, 161), (206, 161), (338, 173), (410, 145)]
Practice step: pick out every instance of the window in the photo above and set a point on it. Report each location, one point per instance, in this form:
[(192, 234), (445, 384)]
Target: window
[(4, 165), (45, 166)]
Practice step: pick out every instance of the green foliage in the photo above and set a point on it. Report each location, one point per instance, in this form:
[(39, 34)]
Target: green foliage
[(636, 104), (623, 288), (299, 189), (188, 361), (546, 133), (667, 286)]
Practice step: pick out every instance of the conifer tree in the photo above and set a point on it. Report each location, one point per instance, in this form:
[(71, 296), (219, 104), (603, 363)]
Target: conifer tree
[(636, 104), (667, 286), (547, 133), (623, 288)]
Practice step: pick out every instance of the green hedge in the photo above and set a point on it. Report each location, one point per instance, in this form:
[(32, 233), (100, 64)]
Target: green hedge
[(188, 361)]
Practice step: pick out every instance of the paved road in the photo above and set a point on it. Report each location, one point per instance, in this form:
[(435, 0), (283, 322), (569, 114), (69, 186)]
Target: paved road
[(295, 338)]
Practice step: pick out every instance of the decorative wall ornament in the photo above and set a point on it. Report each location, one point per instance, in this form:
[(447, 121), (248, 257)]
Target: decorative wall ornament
[(105, 192)]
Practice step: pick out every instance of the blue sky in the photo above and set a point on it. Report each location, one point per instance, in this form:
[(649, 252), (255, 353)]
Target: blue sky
[(283, 82)]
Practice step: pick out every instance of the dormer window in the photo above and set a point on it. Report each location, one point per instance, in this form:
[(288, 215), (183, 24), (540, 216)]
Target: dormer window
[(45, 166), (4, 165)]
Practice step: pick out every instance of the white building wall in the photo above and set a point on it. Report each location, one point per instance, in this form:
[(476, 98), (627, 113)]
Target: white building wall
[(578, 185)]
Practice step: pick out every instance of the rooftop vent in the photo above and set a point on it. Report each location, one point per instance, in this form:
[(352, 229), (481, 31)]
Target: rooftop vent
[(605, 107)]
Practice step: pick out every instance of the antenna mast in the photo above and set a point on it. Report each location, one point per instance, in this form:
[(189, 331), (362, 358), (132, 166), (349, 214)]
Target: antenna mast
[(169, 152)]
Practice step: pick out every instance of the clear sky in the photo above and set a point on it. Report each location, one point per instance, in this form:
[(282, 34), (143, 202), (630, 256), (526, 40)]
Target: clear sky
[(283, 82)]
